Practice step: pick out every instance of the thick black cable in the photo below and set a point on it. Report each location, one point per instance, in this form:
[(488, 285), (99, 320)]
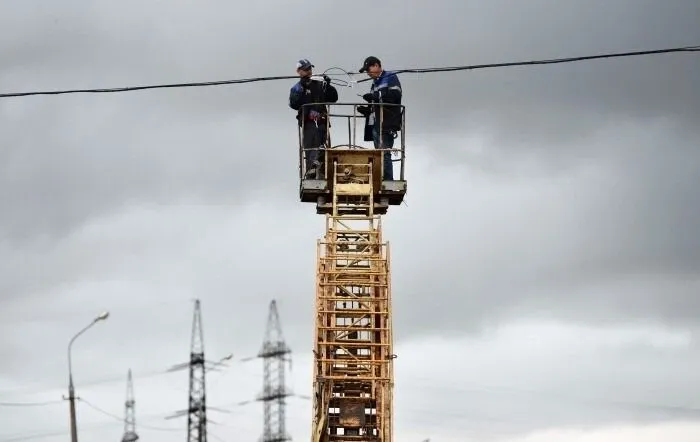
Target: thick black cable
[(412, 70), (156, 86), (549, 61)]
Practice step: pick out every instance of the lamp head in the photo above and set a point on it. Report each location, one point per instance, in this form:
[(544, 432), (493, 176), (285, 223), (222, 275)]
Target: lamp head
[(102, 317)]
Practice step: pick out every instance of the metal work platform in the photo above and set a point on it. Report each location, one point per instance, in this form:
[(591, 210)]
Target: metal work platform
[(318, 189)]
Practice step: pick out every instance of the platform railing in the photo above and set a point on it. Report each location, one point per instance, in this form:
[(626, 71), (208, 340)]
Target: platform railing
[(353, 121)]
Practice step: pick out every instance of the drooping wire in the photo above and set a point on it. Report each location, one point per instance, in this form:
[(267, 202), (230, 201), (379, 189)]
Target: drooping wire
[(412, 70), (114, 416), (351, 82)]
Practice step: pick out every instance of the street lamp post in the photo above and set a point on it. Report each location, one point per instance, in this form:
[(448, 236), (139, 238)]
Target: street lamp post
[(71, 388)]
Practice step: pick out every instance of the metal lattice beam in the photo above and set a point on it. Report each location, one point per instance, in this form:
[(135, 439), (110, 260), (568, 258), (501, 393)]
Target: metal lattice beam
[(197, 407), (353, 370), (130, 412), (275, 354)]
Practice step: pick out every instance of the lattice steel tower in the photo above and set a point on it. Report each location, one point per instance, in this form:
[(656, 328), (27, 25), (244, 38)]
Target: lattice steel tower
[(353, 343), (129, 412), (197, 408), (275, 353)]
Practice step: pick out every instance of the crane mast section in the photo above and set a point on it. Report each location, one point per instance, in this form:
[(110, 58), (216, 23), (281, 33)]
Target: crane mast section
[(353, 369)]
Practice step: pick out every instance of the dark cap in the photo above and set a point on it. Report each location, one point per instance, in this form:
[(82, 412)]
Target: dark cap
[(304, 64), (369, 61)]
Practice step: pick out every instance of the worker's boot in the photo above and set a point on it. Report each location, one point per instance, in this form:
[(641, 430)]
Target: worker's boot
[(315, 171), (312, 172)]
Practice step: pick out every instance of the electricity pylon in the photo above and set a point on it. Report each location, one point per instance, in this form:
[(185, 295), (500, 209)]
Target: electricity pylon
[(129, 413), (274, 353)]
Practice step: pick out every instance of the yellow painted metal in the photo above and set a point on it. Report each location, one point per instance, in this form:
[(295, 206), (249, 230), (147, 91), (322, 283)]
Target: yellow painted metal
[(353, 343)]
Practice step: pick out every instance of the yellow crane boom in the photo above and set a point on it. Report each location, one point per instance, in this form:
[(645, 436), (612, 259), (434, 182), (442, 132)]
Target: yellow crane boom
[(353, 343)]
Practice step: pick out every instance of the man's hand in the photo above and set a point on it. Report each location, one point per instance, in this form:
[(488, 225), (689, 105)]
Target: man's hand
[(368, 97), (364, 110), (327, 79)]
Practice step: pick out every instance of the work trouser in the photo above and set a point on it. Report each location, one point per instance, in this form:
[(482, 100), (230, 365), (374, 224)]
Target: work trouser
[(314, 137), (385, 142)]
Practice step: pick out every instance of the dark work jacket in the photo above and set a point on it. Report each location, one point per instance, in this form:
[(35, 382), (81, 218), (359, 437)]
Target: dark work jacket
[(387, 89), (311, 91)]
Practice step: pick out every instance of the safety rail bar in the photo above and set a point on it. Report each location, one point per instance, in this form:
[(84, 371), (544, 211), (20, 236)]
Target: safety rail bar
[(352, 132)]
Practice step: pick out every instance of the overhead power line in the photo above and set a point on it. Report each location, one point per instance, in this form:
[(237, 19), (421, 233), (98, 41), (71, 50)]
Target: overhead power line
[(549, 61), (29, 404), (428, 415), (121, 419), (400, 71)]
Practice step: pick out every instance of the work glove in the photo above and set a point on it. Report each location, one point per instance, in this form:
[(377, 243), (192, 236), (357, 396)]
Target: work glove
[(364, 110), (368, 97), (327, 79)]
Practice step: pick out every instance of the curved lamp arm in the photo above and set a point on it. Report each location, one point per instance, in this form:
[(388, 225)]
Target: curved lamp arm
[(103, 316)]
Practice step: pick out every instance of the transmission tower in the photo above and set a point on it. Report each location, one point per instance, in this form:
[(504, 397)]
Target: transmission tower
[(129, 413), (274, 354), (353, 354), (197, 409)]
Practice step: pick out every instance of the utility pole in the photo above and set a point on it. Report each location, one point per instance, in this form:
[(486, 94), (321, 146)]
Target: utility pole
[(129, 413), (197, 408), (71, 388), (71, 400), (273, 353)]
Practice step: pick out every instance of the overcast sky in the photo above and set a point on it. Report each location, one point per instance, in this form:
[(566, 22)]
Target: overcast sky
[(546, 265)]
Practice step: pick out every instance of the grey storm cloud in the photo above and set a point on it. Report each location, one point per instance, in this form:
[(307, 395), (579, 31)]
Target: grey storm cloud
[(93, 152), (562, 192), (609, 240)]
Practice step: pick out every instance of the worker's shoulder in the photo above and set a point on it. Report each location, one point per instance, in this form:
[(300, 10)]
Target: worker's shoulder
[(387, 79), (391, 76)]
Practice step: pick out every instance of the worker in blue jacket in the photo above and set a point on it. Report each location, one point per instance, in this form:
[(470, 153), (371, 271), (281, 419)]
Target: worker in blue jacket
[(314, 119), (386, 88)]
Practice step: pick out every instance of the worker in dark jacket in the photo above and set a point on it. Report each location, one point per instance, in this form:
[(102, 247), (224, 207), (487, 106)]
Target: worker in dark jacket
[(386, 120), (313, 119)]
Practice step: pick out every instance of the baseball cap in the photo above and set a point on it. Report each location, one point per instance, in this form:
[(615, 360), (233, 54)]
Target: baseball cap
[(304, 64), (369, 61)]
